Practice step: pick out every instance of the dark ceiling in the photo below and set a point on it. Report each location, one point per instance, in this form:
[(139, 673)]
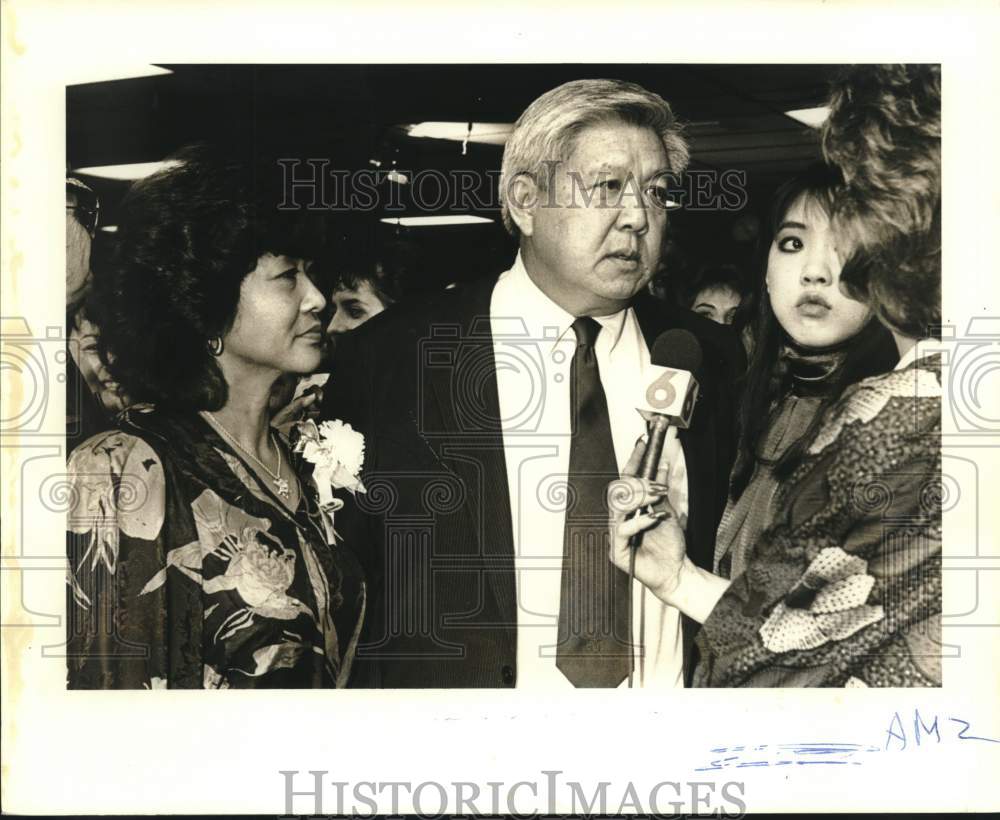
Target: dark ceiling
[(345, 113)]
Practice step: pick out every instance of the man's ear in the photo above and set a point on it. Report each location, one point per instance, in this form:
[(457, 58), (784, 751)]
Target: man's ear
[(522, 200)]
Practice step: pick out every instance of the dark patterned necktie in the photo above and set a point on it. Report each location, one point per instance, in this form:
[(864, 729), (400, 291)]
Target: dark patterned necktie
[(593, 648)]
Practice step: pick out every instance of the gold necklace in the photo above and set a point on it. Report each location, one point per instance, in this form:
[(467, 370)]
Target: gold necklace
[(280, 484)]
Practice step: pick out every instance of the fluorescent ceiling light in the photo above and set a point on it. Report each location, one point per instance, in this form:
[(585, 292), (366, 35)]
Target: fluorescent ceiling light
[(813, 117), (135, 170), (107, 72), (425, 221), (489, 133)]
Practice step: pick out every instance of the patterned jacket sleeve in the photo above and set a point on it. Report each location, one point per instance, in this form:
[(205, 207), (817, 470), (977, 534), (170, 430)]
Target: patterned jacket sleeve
[(117, 543), (846, 588)]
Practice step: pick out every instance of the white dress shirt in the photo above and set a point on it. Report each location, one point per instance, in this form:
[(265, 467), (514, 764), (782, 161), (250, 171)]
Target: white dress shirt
[(533, 344)]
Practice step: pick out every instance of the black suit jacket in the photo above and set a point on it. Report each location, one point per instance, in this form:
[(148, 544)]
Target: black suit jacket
[(434, 529)]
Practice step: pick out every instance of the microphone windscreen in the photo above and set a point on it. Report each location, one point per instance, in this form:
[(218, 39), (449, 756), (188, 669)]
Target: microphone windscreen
[(677, 349)]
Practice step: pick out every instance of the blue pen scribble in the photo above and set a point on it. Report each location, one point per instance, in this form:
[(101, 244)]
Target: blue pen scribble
[(787, 754)]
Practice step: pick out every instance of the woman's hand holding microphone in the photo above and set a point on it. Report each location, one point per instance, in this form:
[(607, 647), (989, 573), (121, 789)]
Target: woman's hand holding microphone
[(661, 562)]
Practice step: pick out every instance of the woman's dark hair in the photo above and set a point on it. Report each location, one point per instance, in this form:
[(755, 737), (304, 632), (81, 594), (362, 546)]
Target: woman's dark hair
[(357, 256), (713, 275), (767, 380), (884, 131), (187, 237)]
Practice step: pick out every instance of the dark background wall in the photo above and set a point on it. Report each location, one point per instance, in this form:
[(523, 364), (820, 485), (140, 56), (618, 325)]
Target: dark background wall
[(352, 116)]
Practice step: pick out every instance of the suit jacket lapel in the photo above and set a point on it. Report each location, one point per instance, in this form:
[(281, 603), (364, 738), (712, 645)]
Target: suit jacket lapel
[(466, 398)]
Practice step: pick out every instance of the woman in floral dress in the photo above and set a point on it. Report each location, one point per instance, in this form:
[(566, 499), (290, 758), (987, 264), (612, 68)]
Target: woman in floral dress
[(844, 587), (200, 554)]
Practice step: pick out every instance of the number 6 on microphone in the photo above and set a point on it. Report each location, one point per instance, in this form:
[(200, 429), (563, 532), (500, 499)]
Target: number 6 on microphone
[(671, 393)]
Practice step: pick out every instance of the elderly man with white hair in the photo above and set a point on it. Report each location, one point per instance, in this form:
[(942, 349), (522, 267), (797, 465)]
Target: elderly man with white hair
[(497, 412)]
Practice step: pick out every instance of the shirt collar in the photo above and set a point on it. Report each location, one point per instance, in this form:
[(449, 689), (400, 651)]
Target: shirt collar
[(911, 355), (517, 295)]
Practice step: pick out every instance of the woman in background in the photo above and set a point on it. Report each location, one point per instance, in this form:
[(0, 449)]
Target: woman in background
[(844, 587), (93, 398), (717, 293), (361, 283), (198, 556)]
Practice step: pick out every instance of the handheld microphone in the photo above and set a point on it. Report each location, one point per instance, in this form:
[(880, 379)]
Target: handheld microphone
[(669, 398), (671, 394), (668, 405)]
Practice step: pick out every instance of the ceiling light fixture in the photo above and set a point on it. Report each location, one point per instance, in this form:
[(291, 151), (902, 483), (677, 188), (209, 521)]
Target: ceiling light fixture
[(428, 221), (813, 117), (129, 172), (486, 133), (109, 72)]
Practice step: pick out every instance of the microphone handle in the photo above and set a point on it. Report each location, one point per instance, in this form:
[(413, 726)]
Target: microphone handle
[(657, 433)]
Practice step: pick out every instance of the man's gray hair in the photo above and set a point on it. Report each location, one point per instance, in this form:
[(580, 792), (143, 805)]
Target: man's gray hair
[(548, 129)]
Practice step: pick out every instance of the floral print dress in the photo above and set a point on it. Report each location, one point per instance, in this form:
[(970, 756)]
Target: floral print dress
[(844, 589), (185, 571)]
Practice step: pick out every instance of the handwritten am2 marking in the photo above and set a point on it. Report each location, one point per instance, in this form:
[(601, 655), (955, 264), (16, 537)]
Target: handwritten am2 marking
[(897, 738), (922, 731)]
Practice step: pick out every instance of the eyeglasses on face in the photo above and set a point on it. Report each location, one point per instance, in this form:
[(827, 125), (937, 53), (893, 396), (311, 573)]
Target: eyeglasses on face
[(84, 205)]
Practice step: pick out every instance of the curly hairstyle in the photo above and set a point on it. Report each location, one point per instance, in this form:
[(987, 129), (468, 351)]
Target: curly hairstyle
[(767, 380), (187, 237), (884, 133)]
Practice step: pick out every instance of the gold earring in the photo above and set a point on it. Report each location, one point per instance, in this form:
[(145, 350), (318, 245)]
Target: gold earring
[(215, 346)]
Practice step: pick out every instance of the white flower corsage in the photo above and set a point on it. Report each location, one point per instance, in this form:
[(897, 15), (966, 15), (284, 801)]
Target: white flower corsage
[(336, 452)]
